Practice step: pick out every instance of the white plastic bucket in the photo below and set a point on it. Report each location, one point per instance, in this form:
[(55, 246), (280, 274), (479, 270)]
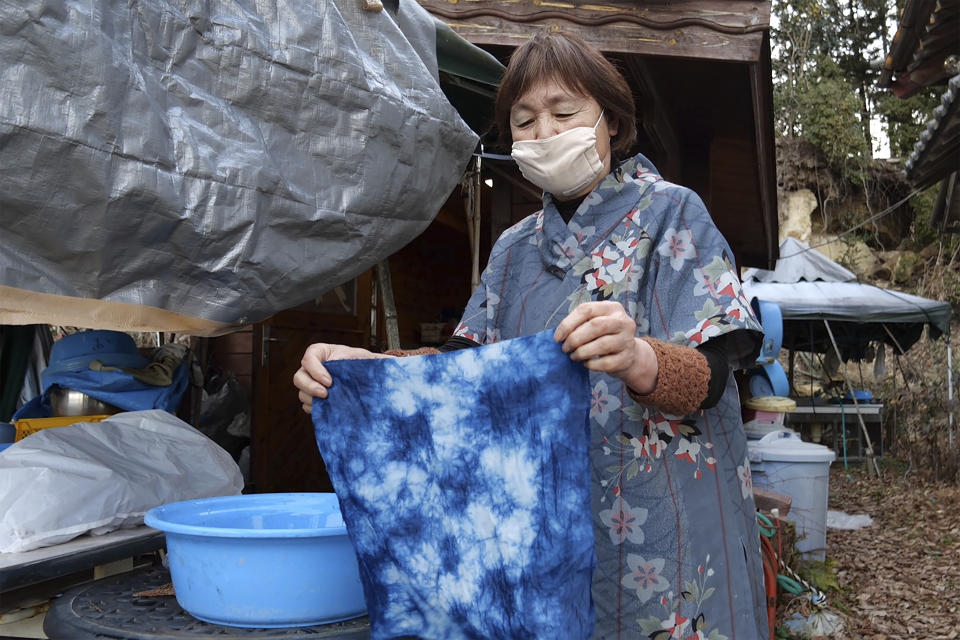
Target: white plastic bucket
[(783, 463)]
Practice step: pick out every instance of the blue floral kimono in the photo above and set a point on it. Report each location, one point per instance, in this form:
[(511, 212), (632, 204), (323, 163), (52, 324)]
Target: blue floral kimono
[(672, 504)]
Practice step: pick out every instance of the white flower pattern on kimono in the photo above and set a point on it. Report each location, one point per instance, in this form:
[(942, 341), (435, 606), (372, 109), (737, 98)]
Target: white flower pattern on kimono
[(594, 198), (692, 451), (602, 403), (746, 480), (626, 245), (688, 450), (568, 249), (705, 329), (463, 331), (601, 261), (678, 246), (493, 300), (725, 284), (675, 625), (648, 446), (624, 522), (581, 233), (645, 576)]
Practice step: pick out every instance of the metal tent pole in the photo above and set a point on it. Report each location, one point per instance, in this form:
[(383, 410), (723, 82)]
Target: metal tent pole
[(871, 461), (950, 391)]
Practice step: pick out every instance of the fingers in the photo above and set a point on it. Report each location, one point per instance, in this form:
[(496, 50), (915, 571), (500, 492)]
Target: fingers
[(312, 364), (595, 325), (588, 313), (308, 384), (312, 379), (601, 335), (583, 313), (614, 364), (609, 344)]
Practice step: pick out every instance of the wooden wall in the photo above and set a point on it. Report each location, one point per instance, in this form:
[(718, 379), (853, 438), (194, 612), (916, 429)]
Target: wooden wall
[(234, 353)]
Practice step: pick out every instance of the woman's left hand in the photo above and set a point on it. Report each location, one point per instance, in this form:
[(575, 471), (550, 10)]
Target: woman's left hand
[(603, 337)]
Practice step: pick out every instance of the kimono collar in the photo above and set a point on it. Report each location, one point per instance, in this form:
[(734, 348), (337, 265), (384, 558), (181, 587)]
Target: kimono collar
[(562, 245)]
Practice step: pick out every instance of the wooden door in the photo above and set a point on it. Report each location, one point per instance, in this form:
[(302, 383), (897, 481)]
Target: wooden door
[(284, 455)]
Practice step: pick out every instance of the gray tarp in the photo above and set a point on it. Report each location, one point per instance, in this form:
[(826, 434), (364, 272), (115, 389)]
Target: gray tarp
[(864, 313), (219, 159)]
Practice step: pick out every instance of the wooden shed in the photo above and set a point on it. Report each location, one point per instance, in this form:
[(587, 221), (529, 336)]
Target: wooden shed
[(700, 71)]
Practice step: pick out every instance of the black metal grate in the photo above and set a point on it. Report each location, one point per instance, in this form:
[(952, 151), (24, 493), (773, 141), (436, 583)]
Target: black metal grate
[(107, 609)]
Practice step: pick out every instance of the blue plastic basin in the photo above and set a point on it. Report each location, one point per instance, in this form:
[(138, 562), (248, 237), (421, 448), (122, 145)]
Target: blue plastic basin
[(261, 560)]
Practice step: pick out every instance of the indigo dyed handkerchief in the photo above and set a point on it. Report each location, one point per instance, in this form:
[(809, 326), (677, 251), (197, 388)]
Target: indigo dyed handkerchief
[(464, 481)]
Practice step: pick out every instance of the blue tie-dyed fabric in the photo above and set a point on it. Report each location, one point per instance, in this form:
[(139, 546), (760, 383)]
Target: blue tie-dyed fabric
[(464, 482)]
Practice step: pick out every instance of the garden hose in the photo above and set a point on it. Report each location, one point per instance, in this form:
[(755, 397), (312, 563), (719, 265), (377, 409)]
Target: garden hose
[(792, 583)]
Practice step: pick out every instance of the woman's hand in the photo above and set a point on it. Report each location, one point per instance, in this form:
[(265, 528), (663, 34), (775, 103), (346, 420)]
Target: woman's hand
[(312, 378), (603, 337)]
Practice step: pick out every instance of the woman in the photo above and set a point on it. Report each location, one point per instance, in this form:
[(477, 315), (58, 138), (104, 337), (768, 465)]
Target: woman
[(639, 285)]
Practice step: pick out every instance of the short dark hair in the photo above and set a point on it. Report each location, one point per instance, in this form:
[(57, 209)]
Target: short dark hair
[(569, 60)]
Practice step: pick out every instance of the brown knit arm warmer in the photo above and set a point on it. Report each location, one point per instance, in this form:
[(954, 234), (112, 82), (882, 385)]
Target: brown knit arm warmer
[(402, 353), (683, 376)]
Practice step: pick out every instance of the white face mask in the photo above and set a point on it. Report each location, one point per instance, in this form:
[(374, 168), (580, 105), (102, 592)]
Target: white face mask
[(564, 164)]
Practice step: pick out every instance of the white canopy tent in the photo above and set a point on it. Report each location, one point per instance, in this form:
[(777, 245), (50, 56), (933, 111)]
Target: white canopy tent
[(810, 288)]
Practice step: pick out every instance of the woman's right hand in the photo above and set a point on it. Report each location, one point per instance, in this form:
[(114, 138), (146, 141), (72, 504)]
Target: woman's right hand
[(312, 379)]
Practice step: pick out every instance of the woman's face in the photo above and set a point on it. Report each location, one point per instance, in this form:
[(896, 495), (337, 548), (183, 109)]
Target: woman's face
[(549, 108)]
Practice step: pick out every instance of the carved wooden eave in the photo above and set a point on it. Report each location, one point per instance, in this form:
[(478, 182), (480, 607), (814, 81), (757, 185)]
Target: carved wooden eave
[(730, 30)]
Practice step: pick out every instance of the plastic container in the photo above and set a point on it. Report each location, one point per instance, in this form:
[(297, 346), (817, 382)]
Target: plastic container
[(862, 395), (27, 426), (781, 462), (765, 414), (76, 351), (756, 430), (768, 380), (8, 432), (261, 560), (771, 320)]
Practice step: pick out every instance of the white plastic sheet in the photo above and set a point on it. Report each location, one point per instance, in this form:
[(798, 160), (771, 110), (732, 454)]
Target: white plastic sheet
[(97, 477), (850, 522)]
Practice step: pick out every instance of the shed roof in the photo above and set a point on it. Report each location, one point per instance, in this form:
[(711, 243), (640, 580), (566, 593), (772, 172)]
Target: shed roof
[(926, 52), (936, 153), (928, 33), (700, 71)]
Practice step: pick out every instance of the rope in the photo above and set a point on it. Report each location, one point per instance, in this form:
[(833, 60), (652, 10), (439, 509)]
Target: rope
[(792, 582), (817, 597)]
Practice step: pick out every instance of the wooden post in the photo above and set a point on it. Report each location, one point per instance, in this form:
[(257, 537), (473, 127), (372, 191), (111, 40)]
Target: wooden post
[(470, 189), (385, 286)]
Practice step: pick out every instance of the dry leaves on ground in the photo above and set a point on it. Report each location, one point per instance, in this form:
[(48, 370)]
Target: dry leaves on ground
[(899, 578)]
